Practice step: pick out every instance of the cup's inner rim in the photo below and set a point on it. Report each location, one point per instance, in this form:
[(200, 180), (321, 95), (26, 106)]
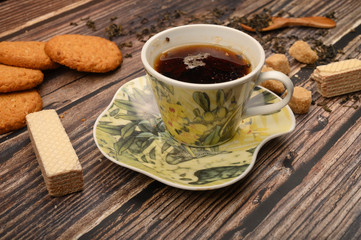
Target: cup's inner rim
[(145, 55)]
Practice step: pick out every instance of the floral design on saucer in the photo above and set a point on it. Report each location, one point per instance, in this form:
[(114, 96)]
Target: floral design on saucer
[(130, 133)]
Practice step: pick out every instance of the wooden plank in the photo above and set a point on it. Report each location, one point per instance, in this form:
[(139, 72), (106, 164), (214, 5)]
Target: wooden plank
[(36, 12), (304, 185)]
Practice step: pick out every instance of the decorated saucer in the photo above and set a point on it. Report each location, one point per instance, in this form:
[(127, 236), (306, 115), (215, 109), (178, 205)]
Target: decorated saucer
[(130, 133)]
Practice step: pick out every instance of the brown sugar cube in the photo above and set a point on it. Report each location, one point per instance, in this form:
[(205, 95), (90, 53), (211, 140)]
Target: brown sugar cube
[(279, 62), (56, 156), (302, 52), (266, 68), (272, 85), (300, 101)]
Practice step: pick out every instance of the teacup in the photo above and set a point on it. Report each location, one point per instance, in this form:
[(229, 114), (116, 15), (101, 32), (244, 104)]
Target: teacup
[(208, 114)]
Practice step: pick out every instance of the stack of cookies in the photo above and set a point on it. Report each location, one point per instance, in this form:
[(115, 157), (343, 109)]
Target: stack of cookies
[(338, 78), (20, 72), (56, 156), (22, 63)]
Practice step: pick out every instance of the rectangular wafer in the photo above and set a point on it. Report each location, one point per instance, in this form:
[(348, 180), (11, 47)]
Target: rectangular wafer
[(338, 78), (56, 156)]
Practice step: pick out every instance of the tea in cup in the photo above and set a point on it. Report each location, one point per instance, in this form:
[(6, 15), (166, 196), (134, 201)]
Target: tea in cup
[(202, 77)]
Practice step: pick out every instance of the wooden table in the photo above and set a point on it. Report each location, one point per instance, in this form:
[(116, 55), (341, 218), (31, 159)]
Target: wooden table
[(304, 185)]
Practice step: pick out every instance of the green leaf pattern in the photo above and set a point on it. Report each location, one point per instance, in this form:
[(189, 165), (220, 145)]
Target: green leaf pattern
[(131, 132)]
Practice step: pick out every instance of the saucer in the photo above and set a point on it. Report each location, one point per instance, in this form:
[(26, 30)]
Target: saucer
[(130, 133)]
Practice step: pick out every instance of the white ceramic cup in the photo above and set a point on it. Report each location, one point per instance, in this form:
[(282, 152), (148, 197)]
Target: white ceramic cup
[(181, 104)]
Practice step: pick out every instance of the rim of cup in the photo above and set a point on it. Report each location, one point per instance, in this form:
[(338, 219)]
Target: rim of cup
[(201, 86)]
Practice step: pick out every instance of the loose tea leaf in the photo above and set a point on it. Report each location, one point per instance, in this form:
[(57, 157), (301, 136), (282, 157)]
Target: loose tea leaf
[(113, 30), (331, 15), (126, 44), (91, 24), (324, 106), (258, 21)]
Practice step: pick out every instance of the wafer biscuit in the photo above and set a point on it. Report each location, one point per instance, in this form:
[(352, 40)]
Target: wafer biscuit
[(56, 156), (84, 53), (27, 54), (17, 79), (15, 106), (338, 78)]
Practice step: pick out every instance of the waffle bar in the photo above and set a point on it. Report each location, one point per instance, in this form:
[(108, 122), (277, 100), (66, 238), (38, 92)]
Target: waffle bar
[(338, 78), (56, 156)]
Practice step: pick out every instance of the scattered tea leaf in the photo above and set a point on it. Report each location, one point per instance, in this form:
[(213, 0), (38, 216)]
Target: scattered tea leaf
[(126, 44), (91, 24), (113, 30)]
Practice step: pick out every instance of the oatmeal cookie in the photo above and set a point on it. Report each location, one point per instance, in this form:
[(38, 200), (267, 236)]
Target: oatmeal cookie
[(14, 108), (17, 79), (27, 54), (84, 53)]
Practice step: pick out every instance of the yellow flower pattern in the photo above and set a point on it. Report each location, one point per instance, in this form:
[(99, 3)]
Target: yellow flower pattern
[(212, 113)]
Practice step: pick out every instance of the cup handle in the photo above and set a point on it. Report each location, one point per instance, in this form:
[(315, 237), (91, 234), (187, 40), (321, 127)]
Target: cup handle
[(274, 107)]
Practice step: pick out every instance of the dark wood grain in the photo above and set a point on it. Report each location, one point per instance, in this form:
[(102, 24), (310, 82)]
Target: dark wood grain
[(304, 185)]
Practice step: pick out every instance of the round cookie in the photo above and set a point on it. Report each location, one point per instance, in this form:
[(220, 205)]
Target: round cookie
[(17, 78), (14, 108), (27, 54), (84, 53)]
